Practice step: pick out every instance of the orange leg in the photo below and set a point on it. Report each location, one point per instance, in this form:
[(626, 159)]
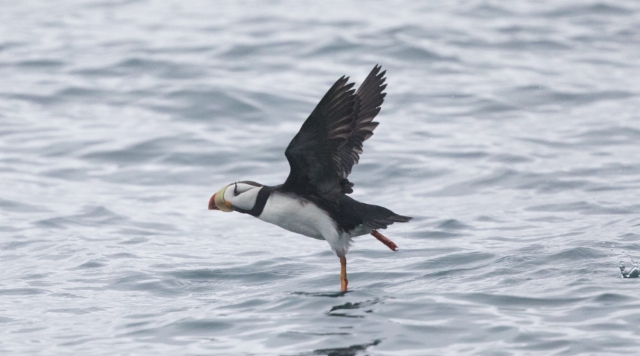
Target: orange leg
[(390, 244), (343, 274)]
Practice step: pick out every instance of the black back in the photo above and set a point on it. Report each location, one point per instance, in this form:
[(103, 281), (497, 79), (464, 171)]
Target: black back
[(349, 213)]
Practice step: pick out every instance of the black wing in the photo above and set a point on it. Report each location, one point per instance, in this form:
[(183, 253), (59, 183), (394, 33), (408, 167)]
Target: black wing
[(313, 154), (369, 98), (327, 146)]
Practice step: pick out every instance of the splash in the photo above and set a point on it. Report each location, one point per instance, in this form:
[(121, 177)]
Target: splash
[(633, 273)]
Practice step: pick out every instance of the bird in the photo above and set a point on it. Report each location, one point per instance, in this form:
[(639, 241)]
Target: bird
[(314, 200)]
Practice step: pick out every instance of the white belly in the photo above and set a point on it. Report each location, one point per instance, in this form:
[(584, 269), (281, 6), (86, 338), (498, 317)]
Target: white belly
[(299, 216), (305, 218)]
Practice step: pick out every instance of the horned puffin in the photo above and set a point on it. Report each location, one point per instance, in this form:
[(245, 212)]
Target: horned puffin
[(313, 201)]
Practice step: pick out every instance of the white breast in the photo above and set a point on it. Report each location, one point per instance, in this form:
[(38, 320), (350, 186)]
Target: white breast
[(297, 215), (301, 216)]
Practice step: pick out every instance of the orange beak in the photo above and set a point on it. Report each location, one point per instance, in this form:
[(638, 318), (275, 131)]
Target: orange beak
[(212, 203)]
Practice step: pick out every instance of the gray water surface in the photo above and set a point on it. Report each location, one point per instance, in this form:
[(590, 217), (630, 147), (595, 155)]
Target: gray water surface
[(510, 132)]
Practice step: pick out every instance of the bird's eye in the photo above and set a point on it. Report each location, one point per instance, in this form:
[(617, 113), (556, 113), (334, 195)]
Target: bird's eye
[(235, 189)]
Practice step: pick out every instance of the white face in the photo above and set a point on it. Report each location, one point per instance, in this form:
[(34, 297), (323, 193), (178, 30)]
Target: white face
[(241, 195)]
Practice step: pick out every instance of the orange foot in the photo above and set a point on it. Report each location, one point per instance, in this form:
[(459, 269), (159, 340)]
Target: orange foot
[(343, 274), (390, 244)]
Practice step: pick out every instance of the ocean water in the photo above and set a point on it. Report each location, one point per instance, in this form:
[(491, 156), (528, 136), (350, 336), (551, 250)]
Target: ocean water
[(511, 132)]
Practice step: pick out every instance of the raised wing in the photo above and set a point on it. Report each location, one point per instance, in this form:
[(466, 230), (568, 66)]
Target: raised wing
[(369, 98), (313, 154), (329, 143)]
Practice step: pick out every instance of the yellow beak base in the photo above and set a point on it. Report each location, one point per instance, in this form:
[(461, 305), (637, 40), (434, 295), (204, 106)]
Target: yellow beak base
[(220, 202)]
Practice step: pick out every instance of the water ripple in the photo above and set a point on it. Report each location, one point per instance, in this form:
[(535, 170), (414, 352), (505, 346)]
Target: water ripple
[(509, 132)]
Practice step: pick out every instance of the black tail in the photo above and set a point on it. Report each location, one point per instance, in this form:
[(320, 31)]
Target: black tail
[(354, 213), (383, 222)]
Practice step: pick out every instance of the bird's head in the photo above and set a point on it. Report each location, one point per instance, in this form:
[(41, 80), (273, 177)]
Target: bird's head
[(239, 195)]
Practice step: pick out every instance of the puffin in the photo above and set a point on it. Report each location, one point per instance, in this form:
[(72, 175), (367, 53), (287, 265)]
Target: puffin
[(314, 201)]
